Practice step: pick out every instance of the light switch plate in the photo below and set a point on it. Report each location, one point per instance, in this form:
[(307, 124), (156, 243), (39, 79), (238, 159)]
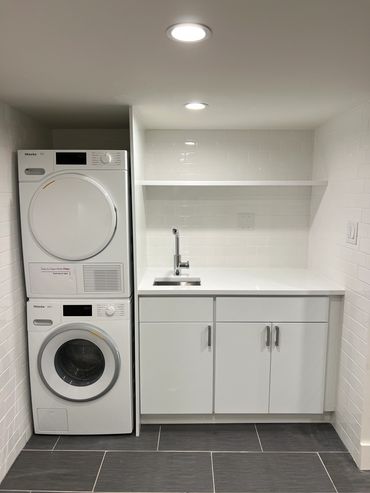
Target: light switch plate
[(246, 220), (352, 232)]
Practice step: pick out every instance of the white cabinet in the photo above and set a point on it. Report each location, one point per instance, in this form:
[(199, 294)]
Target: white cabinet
[(242, 368), (176, 355), (265, 355), (263, 308), (176, 368), (271, 367), (176, 309), (298, 368)]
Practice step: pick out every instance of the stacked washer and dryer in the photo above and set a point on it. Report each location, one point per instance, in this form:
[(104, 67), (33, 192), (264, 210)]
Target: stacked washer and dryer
[(75, 222)]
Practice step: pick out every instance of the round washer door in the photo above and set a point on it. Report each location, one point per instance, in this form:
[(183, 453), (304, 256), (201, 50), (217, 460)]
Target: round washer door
[(72, 217), (79, 362)]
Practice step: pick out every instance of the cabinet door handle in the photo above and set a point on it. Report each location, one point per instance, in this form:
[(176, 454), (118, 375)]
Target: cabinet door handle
[(268, 336), (277, 336), (209, 335)]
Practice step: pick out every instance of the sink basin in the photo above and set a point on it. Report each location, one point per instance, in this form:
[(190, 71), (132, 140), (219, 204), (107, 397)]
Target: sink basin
[(176, 281)]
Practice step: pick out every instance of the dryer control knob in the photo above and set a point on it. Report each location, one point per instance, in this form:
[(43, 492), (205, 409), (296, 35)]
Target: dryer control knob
[(106, 158), (110, 310)]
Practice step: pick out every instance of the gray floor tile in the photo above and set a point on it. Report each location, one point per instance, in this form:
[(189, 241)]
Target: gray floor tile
[(270, 473), (345, 474), (41, 442), (64, 471), (147, 441), (209, 437), (299, 437), (156, 472)]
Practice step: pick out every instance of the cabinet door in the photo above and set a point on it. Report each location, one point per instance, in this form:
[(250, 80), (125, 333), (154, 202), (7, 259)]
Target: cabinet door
[(242, 368), (298, 368), (176, 363)]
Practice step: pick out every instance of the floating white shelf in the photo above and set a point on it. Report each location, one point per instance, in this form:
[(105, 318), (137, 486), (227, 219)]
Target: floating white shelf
[(239, 183)]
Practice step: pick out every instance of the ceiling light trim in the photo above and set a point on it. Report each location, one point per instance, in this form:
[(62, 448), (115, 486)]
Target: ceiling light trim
[(181, 32), (196, 105)]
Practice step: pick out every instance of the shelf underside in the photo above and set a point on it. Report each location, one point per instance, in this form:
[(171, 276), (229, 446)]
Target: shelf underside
[(241, 183)]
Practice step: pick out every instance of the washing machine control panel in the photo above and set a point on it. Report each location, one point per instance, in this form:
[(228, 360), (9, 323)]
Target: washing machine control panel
[(45, 315), (111, 310)]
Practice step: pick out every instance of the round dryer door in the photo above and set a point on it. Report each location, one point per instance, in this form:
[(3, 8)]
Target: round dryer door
[(78, 362), (72, 217)]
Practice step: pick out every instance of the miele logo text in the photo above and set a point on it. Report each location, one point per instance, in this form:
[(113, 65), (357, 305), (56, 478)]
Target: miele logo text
[(30, 153), (38, 306)]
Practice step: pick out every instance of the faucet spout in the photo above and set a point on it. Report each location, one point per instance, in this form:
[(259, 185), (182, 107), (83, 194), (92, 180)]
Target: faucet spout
[(177, 263)]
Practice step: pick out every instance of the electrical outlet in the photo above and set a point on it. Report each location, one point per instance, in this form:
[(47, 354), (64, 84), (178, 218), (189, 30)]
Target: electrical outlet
[(246, 220), (352, 232)]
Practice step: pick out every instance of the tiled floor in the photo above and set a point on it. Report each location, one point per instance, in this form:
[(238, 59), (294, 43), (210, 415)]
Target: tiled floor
[(266, 458)]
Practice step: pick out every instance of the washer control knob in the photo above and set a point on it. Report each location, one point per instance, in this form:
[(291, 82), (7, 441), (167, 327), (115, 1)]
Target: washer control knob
[(110, 310), (106, 158)]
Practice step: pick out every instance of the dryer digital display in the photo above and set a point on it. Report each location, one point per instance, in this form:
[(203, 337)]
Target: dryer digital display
[(70, 158)]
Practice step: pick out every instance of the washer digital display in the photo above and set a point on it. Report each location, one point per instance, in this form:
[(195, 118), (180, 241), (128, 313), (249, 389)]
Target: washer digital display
[(77, 310)]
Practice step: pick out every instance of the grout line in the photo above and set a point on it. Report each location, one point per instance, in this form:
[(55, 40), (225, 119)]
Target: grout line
[(97, 476), (192, 451), (327, 472), (258, 436), (159, 436), (51, 491), (213, 474), (55, 444)]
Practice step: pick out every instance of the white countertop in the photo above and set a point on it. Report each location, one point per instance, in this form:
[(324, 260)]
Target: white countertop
[(256, 282)]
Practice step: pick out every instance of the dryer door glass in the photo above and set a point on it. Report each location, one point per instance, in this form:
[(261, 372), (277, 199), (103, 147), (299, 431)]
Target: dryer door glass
[(79, 362), (72, 217)]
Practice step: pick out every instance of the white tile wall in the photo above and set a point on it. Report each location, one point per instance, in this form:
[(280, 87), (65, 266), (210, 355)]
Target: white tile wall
[(342, 154), (228, 154), (16, 131), (210, 220)]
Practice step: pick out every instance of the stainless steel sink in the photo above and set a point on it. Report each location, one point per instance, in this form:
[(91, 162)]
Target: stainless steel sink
[(176, 281)]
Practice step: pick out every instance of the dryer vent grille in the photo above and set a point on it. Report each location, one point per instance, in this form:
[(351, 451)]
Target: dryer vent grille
[(102, 278)]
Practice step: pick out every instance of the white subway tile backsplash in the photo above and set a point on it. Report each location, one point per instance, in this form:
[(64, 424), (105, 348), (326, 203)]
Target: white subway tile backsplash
[(209, 218), (16, 131), (228, 154)]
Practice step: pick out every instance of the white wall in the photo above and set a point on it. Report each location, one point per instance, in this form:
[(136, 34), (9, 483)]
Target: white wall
[(342, 154), (16, 131), (91, 138), (211, 220)]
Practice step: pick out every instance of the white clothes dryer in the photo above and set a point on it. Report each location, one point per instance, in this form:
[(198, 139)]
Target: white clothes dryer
[(75, 222), (80, 360)]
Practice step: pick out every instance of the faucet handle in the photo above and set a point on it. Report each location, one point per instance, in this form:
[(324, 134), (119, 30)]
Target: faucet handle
[(185, 265)]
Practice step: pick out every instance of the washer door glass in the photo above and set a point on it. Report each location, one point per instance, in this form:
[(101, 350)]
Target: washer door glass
[(79, 362), (72, 217)]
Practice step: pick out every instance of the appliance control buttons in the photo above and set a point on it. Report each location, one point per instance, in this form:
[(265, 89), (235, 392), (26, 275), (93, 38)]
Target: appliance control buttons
[(106, 158), (110, 310)]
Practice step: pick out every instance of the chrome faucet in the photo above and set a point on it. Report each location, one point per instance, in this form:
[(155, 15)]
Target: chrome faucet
[(177, 264)]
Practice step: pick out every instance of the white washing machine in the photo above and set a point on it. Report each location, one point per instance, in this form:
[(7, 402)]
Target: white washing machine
[(80, 359), (75, 220)]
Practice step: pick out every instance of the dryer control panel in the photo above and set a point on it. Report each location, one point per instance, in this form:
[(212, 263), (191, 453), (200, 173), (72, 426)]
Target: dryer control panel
[(35, 165)]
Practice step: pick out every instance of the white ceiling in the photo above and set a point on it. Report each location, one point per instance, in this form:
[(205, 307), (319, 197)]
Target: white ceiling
[(269, 63)]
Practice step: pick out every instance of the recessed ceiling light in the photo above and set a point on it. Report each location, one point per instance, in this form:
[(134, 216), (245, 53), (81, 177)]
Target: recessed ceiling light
[(195, 105), (188, 32), (191, 143)]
